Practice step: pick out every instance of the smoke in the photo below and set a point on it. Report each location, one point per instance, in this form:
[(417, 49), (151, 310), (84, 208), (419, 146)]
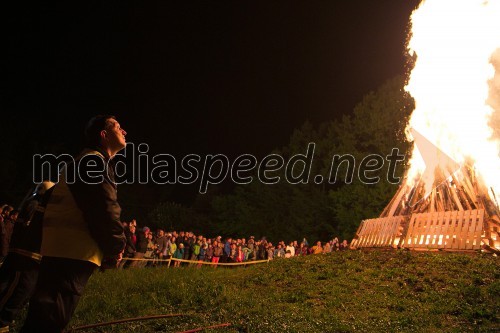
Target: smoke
[(494, 95)]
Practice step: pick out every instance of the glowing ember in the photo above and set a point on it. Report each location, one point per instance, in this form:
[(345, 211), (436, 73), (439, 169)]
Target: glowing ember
[(454, 41)]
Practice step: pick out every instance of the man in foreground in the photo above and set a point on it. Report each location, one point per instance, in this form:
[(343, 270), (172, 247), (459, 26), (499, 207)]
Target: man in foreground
[(81, 228)]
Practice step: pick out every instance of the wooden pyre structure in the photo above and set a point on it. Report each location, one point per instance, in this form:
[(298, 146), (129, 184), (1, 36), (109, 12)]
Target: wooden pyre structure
[(457, 215)]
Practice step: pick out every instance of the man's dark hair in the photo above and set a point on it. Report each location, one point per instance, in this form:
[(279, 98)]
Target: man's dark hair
[(94, 128)]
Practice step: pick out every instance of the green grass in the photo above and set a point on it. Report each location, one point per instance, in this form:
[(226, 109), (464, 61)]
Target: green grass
[(352, 291)]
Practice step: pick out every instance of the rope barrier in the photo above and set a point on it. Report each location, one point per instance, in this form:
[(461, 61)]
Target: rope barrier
[(253, 262), (120, 321), (206, 328)]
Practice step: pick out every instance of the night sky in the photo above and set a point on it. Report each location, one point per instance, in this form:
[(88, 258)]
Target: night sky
[(227, 77)]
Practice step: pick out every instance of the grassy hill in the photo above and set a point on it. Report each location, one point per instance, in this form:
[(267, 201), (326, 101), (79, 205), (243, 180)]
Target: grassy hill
[(352, 291)]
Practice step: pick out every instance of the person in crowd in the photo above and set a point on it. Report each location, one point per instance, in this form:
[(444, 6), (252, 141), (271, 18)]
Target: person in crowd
[(178, 254), (262, 249), (195, 249), (290, 248), (181, 238), (246, 252), (233, 253), (227, 250), (82, 229), (19, 272), (251, 248), (188, 246), (201, 256), (335, 244), (296, 247), (240, 255), (130, 242), (166, 253), (218, 252), (344, 245), (279, 252), (140, 248), (172, 247), (327, 248), (151, 251), (303, 249), (161, 244), (209, 253), (317, 249), (270, 251)]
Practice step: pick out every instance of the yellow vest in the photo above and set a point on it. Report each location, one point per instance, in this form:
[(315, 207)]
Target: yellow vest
[(65, 232)]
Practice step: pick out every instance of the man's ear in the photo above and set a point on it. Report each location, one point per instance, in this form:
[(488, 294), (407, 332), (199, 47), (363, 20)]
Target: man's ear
[(103, 134)]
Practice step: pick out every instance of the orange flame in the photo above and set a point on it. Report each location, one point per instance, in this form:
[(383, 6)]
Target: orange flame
[(454, 42)]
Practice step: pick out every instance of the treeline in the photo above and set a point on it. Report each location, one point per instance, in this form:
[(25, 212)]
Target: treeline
[(317, 209)]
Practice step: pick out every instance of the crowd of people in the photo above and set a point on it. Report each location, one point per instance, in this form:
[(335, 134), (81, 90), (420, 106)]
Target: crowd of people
[(143, 243)]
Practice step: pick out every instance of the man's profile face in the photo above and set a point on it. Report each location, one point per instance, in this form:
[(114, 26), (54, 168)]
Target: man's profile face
[(115, 135)]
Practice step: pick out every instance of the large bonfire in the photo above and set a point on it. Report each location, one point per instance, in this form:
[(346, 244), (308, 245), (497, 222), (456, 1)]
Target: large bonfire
[(448, 199)]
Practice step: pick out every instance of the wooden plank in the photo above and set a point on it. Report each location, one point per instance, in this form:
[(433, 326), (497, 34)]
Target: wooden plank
[(469, 190), (393, 232), (471, 226), (417, 227), (444, 229), (433, 222), (369, 234), (401, 231), (423, 230), (432, 208), (445, 216), (408, 242), (453, 226), (456, 230), (377, 234), (457, 200), (369, 228), (437, 229), (465, 198), (478, 230), (380, 232), (470, 230), (475, 230), (429, 229), (465, 221), (397, 224), (421, 226), (439, 201), (361, 233), (386, 232)]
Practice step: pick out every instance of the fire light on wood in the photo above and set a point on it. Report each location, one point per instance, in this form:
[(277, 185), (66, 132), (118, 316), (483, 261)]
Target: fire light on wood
[(458, 215)]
